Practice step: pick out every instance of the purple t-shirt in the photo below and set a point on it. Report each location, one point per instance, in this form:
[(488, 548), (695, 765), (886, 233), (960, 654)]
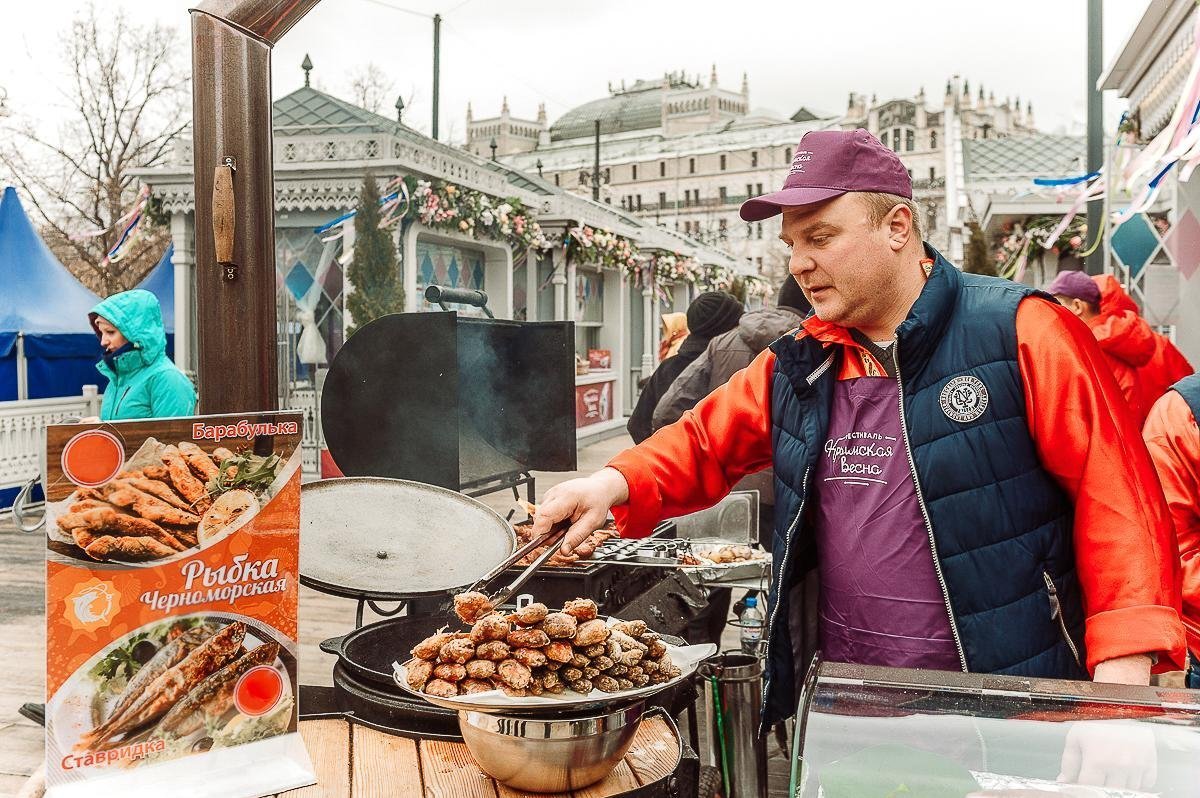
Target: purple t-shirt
[(881, 603)]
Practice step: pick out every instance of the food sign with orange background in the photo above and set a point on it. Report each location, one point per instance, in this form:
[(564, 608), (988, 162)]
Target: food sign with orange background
[(172, 573)]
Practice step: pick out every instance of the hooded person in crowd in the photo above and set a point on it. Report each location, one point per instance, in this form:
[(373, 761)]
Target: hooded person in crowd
[(1168, 365), (1174, 441), (709, 315), (728, 354), (731, 352), (142, 380), (1124, 337), (671, 336), (950, 445)]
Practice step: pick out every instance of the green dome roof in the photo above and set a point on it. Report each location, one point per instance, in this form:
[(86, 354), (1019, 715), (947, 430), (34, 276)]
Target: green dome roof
[(636, 109)]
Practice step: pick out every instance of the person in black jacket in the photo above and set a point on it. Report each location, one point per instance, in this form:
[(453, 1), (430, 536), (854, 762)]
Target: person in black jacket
[(709, 315)]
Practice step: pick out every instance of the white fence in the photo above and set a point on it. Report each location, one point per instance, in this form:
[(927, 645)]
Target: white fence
[(23, 431), (307, 401)]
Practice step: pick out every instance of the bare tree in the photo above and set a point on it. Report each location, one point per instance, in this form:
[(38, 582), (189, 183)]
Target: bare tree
[(129, 103), (371, 88)]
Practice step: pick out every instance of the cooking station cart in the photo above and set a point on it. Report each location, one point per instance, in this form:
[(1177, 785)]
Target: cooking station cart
[(888, 731), (402, 548)]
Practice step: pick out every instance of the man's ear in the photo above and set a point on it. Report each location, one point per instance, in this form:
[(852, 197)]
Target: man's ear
[(900, 227)]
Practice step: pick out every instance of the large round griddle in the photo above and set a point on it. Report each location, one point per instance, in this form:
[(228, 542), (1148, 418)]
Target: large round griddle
[(392, 539)]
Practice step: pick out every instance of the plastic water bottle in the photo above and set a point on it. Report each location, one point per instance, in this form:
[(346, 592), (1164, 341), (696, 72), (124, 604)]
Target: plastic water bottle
[(751, 622)]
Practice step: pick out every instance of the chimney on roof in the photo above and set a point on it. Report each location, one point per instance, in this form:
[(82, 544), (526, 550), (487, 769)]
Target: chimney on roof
[(541, 117), (713, 77), (470, 116)]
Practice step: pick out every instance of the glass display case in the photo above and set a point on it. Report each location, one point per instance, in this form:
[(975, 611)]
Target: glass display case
[(869, 732)]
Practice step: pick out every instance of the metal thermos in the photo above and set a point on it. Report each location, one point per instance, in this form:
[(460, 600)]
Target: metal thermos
[(732, 685)]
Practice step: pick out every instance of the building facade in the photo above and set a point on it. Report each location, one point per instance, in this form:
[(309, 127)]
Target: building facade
[(325, 147), (686, 153)]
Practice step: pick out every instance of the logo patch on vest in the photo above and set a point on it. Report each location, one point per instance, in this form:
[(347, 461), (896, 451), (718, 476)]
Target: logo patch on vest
[(964, 399)]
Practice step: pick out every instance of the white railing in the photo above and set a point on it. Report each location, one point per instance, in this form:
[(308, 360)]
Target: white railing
[(23, 431), (305, 400)]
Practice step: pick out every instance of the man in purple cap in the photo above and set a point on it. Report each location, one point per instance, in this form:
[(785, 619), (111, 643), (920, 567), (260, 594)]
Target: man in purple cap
[(972, 496), (1125, 338)]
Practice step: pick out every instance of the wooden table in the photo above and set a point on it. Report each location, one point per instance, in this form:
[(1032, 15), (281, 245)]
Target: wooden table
[(355, 761)]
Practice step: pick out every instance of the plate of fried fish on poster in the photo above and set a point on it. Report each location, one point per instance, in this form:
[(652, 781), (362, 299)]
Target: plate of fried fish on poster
[(172, 554)]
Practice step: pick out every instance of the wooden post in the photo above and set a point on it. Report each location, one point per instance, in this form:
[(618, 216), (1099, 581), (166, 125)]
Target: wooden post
[(237, 363)]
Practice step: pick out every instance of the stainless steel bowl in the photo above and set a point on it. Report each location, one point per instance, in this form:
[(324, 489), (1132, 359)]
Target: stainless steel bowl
[(550, 755)]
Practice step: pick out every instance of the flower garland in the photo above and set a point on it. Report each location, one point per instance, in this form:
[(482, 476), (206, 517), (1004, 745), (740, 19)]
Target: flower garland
[(592, 246), (754, 286), (718, 278), (445, 206), (667, 267), (1020, 239)]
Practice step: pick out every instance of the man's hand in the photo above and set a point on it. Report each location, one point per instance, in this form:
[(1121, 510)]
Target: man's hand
[(1105, 753), (1134, 669), (1113, 754), (585, 502)]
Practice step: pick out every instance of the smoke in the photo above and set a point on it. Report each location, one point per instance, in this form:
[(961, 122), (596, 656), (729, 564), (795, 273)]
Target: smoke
[(516, 395)]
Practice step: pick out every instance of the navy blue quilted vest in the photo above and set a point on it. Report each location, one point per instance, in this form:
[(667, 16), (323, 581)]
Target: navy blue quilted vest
[(1189, 389), (1000, 525)]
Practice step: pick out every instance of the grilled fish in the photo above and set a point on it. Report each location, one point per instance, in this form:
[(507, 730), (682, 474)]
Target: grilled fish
[(167, 657), (149, 507), (185, 482), (213, 697), (172, 685), (107, 519), (221, 455), (132, 549), (198, 460), (159, 490)]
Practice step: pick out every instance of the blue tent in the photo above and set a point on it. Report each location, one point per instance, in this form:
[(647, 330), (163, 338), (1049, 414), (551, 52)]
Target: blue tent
[(44, 302), (161, 282)]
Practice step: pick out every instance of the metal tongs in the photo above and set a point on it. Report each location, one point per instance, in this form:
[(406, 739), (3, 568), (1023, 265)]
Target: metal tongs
[(550, 539)]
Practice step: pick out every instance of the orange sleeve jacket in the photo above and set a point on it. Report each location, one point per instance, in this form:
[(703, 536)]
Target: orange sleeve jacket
[(1174, 442), (1085, 436)]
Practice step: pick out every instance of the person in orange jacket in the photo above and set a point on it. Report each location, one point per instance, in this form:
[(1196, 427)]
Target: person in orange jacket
[(952, 448), (1168, 365), (1174, 441), (1125, 338)]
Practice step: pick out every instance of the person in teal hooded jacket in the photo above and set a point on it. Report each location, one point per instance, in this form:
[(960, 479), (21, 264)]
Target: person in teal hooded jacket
[(142, 380)]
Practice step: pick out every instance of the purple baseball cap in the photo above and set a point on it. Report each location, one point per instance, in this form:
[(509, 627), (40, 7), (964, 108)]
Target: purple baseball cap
[(829, 163), (1076, 285)]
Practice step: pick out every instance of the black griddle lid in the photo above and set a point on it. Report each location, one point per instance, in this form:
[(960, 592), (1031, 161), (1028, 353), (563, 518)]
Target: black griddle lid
[(391, 539)]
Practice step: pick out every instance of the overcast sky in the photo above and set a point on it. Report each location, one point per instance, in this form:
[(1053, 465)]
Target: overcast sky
[(565, 52)]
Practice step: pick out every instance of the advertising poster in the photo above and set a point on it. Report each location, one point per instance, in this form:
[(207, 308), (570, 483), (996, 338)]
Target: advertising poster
[(172, 557), (593, 403)]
